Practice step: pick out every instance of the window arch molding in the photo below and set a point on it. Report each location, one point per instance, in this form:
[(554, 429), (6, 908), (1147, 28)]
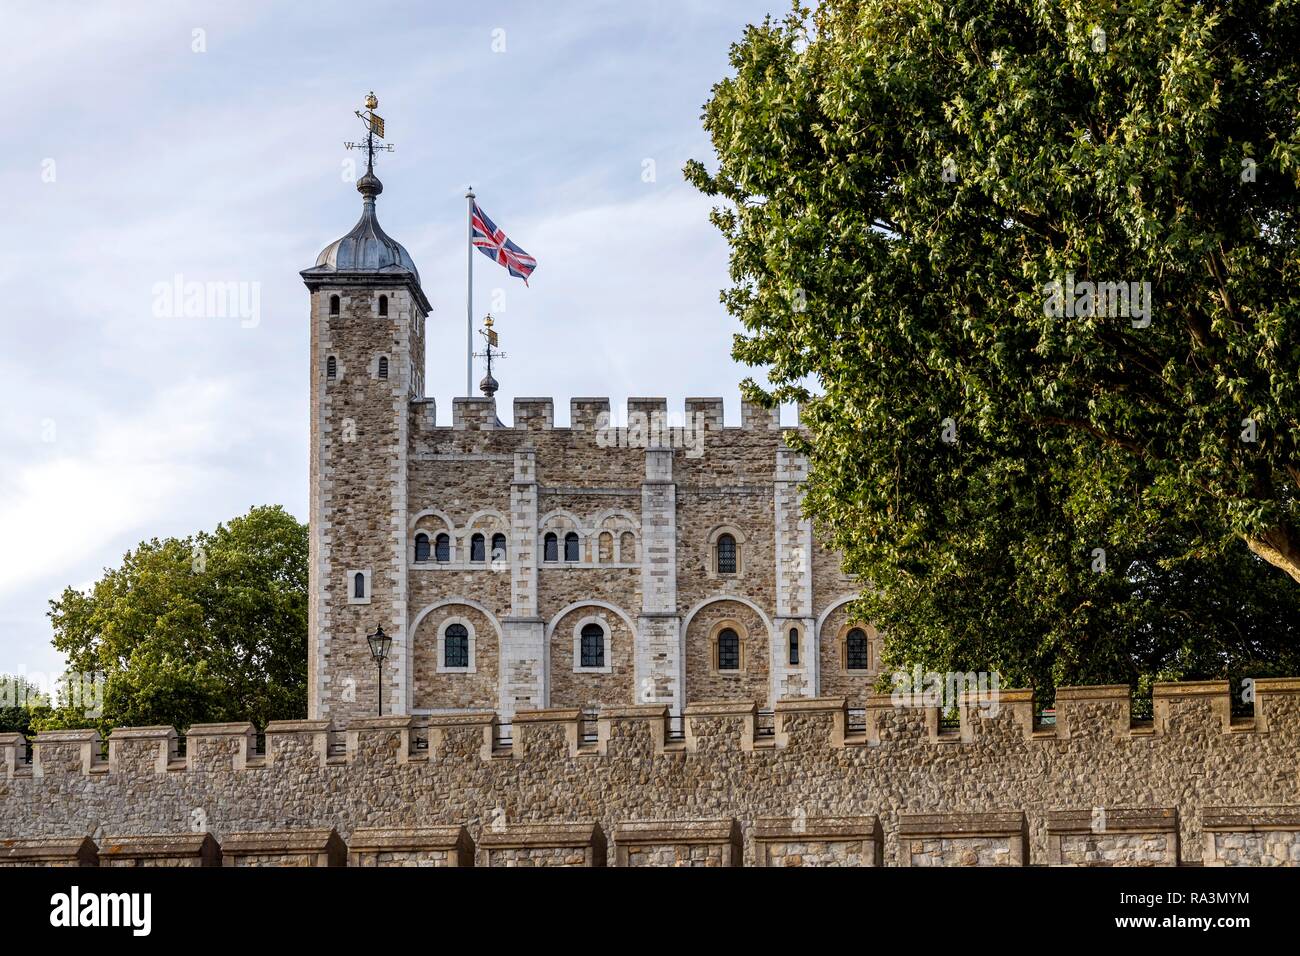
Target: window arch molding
[(731, 625), (607, 638), (561, 524), (488, 522), (711, 558), (872, 649), (596, 608), (434, 523), (472, 639)]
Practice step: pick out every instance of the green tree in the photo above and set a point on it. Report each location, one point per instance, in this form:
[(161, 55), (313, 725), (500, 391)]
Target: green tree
[(911, 188), (211, 627), (21, 702)]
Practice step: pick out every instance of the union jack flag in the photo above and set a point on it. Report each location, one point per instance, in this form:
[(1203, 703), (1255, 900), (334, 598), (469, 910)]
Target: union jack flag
[(492, 242)]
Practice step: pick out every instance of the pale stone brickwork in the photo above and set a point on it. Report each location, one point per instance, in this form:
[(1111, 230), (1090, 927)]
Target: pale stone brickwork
[(542, 844), (410, 847), (1113, 837), (1006, 785), (799, 841), (1252, 836), (1120, 849)]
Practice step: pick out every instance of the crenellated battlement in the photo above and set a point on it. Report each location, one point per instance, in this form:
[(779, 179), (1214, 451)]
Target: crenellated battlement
[(594, 414), (812, 777), (1192, 712)]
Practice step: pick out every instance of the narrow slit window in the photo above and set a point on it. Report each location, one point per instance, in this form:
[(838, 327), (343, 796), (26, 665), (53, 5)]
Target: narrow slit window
[(334, 305), (331, 367), (794, 645), (383, 305), (359, 585), (383, 366)]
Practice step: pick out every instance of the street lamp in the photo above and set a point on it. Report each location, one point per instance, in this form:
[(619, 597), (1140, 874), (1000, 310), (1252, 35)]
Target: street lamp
[(379, 644)]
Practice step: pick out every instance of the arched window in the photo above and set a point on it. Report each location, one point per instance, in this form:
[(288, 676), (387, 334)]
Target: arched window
[(593, 645), (359, 585), (442, 548), (794, 645), (550, 547), (455, 648), (422, 547), (571, 546), (726, 554), (476, 545), (331, 367), (855, 650), (605, 548), (383, 305), (334, 305), (627, 547), (499, 552), (728, 650), (383, 366)]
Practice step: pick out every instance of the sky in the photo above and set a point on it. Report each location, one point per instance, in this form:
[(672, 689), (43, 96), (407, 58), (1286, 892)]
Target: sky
[(151, 143)]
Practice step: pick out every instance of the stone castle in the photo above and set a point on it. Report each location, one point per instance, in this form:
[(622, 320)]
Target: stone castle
[(530, 566), (619, 646)]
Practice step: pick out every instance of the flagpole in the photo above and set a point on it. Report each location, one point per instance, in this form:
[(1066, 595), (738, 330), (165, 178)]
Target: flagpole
[(469, 292)]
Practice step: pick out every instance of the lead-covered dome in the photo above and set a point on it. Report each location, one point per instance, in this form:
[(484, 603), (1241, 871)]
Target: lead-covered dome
[(366, 247)]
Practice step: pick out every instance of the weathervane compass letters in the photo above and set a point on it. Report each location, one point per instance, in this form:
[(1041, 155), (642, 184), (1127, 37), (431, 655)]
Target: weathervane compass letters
[(374, 124)]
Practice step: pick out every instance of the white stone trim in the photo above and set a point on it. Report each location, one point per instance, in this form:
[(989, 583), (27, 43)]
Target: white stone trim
[(447, 602), (584, 548), (767, 622), (840, 601), (711, 562), (608, 655), (442, 647), (449, 525)]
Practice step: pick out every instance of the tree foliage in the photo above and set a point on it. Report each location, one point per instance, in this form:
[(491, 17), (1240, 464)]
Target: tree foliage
[(208, 628), (903, 183)]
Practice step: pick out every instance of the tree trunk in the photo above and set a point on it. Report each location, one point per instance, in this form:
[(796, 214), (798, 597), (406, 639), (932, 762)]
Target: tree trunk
[(1280, 547)]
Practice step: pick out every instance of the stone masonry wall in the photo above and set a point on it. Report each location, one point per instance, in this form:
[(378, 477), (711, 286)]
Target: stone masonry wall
[(630, 769)]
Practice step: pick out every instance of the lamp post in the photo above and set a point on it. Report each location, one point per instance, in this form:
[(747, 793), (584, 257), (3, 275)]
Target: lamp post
[(379, 644)]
